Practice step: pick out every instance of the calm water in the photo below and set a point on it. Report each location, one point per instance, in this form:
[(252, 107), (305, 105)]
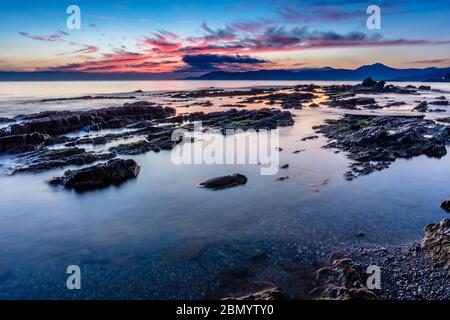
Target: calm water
[(138, 240)]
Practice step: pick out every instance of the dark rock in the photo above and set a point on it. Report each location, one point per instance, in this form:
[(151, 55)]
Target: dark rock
[(23, 142), (46, 159), (343, 91), (114, 172), (342, 280), (224, 182), (369, 82), (206, 93), (360, 234), (233, 106), (440, 103), (57, 123), (268, 294), (421, 107), (374, 142), (244, 119), (380, 85), (352, 103), (133, 148), (5, 120), (437, 243), (394, 104), (91, 98), (446, 205), (445, 120), (310, 138), (425, 88), (284, 166)]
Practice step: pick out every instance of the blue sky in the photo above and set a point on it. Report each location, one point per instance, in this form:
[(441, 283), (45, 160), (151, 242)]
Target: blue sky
[(199, 36)]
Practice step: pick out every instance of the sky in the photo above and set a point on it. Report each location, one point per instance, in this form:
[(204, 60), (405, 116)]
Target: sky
[(179, 38)]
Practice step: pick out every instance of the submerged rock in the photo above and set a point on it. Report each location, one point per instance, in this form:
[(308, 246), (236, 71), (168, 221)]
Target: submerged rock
[(310, 138), (224, 182), (114, 172), (437, 243)]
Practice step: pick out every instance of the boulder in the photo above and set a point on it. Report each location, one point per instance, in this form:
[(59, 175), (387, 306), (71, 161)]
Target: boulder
[(422, 107), (224, 182), (437, 243), (114, 172), (369, 82), (446, 205)]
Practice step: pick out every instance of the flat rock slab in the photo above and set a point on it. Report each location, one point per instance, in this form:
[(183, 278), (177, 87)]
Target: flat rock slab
[(374, 142)]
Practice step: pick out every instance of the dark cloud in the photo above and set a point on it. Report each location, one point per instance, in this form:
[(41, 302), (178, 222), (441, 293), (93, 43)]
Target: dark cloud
[(210, 62), (431, 61)]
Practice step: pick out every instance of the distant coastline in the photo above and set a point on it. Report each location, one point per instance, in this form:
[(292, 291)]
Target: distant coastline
[(377, 71)]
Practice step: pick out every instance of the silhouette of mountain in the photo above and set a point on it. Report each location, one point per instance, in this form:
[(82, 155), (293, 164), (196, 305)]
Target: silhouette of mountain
[(377, 71)]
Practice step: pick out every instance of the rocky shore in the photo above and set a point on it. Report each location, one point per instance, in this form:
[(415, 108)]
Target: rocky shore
[(374, 142), (41, 142), (97, 145), (413, 271)]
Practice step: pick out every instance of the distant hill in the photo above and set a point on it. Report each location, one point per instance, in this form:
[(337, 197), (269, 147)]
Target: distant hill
[(377, 71)]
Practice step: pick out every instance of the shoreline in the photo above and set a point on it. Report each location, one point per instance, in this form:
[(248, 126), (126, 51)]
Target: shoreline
[(142, 123)]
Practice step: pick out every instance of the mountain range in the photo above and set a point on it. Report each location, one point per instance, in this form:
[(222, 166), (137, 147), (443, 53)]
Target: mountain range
[(377, 71)]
